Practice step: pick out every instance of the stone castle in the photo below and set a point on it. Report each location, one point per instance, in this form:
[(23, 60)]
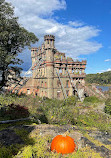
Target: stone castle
[(54, 75)]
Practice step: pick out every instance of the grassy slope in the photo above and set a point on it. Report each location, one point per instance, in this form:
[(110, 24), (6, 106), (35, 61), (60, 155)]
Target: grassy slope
[(82, 115)]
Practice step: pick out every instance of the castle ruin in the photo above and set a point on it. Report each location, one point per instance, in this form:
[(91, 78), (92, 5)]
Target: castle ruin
[(56, 76)]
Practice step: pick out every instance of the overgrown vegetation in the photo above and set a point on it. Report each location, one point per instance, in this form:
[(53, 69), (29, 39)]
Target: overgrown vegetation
[(55, 111), (37, 146), (49, 111), (91, 99), (107, 108), (94, 119), (99, 78)]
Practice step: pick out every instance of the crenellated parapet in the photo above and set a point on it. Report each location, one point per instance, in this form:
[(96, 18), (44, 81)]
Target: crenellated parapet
[(49, 41), (49, 37)]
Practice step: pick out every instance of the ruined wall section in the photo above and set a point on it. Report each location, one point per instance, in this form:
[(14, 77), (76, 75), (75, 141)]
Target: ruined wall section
[(39, 73), (76, 70)]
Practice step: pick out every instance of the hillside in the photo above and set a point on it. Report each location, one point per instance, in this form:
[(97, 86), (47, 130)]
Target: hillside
[(48, 118), (99, 78)]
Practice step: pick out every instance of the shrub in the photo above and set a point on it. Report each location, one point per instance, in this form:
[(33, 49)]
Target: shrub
[(6, 100), (58, 111), (91, 99), (107, 108), (5, 152), (108, 101), (71, 100), (13, 111)]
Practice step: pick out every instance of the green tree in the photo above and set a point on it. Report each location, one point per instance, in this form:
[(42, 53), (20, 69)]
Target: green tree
[(13, 39), (103, 78)]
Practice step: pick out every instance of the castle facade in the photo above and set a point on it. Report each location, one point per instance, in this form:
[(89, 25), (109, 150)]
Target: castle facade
[(54, 75)]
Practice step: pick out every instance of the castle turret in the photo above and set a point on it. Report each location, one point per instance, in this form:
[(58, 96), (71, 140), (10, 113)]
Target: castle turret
[(49, 41), (49, 48)]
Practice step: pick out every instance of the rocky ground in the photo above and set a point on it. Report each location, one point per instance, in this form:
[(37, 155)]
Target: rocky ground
[(99, 141)]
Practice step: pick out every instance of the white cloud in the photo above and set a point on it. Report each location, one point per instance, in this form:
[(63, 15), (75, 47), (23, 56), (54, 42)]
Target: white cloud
[(109, 69), (107, 60), (52, 30), (37, 7), (26, 73), (35, 15), (76, 23)]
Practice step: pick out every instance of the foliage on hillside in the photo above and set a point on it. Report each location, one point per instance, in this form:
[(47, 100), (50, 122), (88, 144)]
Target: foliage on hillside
[(99, 78)]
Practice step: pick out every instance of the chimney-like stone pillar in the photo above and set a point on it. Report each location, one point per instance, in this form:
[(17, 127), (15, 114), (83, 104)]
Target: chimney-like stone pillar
[(49, 47)]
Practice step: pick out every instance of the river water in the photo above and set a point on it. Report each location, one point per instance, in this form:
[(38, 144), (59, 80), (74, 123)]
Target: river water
[(104, 88)]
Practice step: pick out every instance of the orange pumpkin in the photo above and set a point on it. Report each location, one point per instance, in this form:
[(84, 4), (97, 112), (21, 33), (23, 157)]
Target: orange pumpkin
[(63, 144)]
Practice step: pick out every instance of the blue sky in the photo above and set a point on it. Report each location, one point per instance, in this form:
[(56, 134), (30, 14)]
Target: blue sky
[(82, 28)]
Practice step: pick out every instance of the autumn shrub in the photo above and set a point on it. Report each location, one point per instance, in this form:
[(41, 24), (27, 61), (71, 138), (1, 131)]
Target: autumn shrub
[(13, 111)]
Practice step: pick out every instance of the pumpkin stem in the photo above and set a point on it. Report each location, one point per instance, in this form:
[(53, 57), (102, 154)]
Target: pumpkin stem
[(65, 134)]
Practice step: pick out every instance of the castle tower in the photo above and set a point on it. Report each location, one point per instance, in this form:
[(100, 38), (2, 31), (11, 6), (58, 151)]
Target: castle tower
[(33, 55), (49, 47)]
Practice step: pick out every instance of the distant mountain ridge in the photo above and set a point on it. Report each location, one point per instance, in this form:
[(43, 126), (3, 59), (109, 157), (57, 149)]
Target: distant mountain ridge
[(99, 78)]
